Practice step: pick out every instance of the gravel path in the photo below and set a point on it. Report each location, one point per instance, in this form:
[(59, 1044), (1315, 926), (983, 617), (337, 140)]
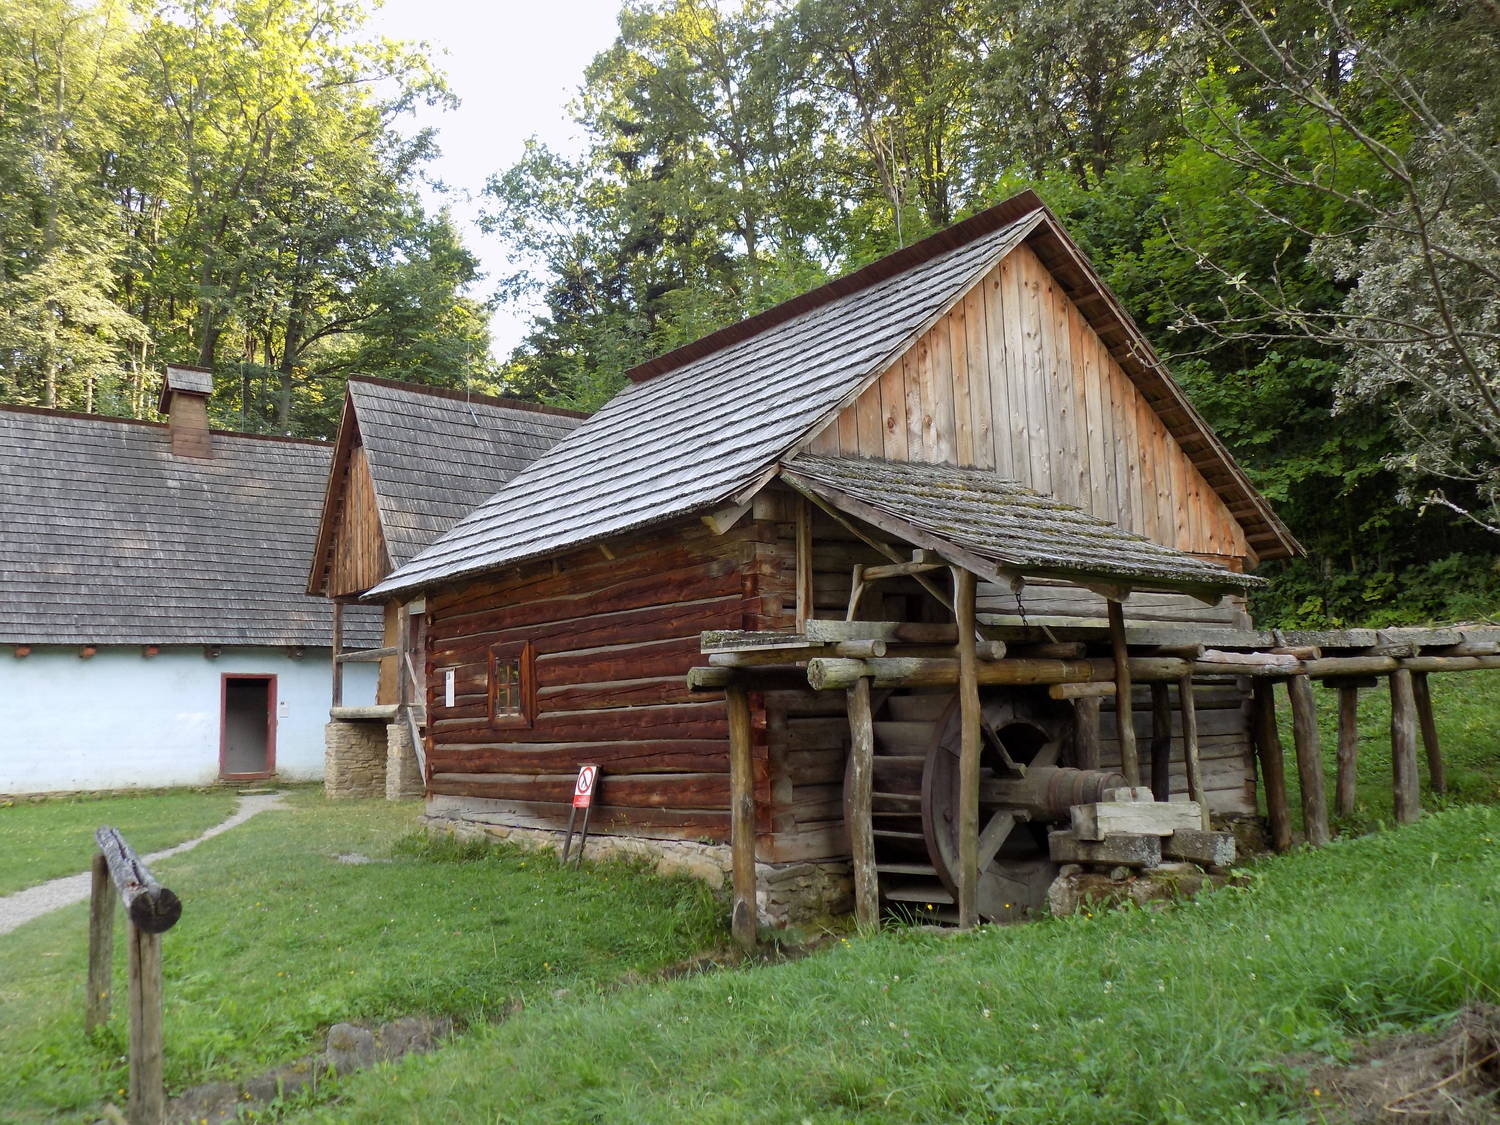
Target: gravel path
[(33, 902)]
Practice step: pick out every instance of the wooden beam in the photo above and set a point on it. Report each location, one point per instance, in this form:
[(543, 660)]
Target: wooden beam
[(1161, 741), (1348, 750), (743, 921), (1130, 764), (1086, 741), (338, 646), (147, 1099), (101, 945), (806, 606), (968, 757), (1309, 760), (829, 673), (1104, 690), (861, 828), (1407, 797), (1189, 710), (1272, 764), (1437, 775)]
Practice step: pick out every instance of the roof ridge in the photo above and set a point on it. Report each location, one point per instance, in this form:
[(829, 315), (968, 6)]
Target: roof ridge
[(890, 265), (83, 416), (505, 401)]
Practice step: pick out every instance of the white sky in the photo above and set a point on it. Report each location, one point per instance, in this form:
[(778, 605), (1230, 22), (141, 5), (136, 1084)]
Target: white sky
[(514, 66)]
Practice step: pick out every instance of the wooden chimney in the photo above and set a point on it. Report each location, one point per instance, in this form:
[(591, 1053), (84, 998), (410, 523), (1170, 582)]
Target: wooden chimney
[(184, 400)]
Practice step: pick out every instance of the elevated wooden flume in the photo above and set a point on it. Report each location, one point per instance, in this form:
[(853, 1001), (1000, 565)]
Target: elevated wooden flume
[(926, 812)]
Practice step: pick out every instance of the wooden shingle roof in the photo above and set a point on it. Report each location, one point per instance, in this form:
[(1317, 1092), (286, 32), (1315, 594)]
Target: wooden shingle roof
[(707, 424), (972, 516), (697, 434), (107, 538), (434, 456)]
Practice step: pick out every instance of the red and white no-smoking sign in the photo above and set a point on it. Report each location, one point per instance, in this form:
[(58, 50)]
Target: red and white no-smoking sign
[(583, 788)]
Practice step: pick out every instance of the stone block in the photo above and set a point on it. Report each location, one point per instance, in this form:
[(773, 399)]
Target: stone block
[(1208, 849), (1112, 851), (1141, 818), (354, 755), (403, 775)]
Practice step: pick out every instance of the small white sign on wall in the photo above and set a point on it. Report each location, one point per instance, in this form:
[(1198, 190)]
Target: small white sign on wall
[(448, 677)]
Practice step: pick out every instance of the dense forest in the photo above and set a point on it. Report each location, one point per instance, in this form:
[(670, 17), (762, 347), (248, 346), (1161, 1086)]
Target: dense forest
[(1300, 203)]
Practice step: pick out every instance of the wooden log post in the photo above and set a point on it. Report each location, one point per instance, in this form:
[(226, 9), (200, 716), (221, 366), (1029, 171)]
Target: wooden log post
[(1407, 797), (146, 1104), (1309, 760), (804, 546), (1189, 709), (101, 945), (1086, 738), (1272, 760), (742, 816), (148, 905), (1130, 764), (1348, 750), (1437, 774), (1161, 742), (338, 647), (861, 828), (968, 757)]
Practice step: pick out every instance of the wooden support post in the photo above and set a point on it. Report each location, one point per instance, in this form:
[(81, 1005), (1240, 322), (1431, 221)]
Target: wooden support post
[(861, 829), (338, 647), (805, 602), (101, 945), (1309, 760), (1407, 797), (1086, 739), (1348, 750), (1161, 742), (1189, 709), (1437, 775), (1272, 765), (147, 1101), (968, 757), (742, 815), (1130, 764)]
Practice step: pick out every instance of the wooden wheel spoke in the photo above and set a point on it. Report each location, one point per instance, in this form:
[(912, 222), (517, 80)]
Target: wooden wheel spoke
[(1047, 755), (993, 838), (993, 736)]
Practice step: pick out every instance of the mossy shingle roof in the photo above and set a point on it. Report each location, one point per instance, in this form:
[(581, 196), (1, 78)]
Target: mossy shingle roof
[(1020, 531)]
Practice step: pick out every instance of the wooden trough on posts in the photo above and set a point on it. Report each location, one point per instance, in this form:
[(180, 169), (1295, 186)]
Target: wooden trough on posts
[(1078, 663), (150, 910)]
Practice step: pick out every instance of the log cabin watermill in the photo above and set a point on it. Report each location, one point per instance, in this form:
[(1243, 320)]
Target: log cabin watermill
[(931, 565)]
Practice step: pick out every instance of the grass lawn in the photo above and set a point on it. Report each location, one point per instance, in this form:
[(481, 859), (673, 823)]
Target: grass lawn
[(1179, 1017), (47, 839), (1466, 708), (279, 940)]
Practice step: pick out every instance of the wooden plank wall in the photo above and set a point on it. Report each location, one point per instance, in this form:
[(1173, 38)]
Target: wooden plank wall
[(1015, 380), (358, 559), (614, 639)]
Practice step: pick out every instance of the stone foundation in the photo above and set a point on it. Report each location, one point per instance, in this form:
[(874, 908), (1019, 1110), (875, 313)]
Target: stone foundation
[(403, 776), (786, 894), (354, 756)]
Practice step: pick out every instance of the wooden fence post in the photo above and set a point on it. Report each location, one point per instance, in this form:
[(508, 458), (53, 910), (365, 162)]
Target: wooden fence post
[(1130, 764), (861, 783), (1437, 775), (1309, 760), (1407, 797), (1086, 709), (101, 945), (968, 756), (741, 816), (1272, 765), (147, 1102)]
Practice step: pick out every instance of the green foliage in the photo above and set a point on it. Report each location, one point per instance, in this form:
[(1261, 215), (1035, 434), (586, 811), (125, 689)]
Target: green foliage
[(216, 182)]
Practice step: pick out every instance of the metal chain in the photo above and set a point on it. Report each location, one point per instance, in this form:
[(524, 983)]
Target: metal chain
[(1021, 609)]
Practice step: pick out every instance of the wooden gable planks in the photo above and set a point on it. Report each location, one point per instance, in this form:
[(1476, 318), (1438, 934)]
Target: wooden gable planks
[(359, 558), (1014, 378)]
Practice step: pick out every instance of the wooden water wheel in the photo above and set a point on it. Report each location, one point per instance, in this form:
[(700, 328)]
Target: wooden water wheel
[(1025, 787)]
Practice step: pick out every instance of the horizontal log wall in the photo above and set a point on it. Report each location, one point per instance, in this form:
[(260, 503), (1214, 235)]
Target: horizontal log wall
[(1014, 379), (613, 638)]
